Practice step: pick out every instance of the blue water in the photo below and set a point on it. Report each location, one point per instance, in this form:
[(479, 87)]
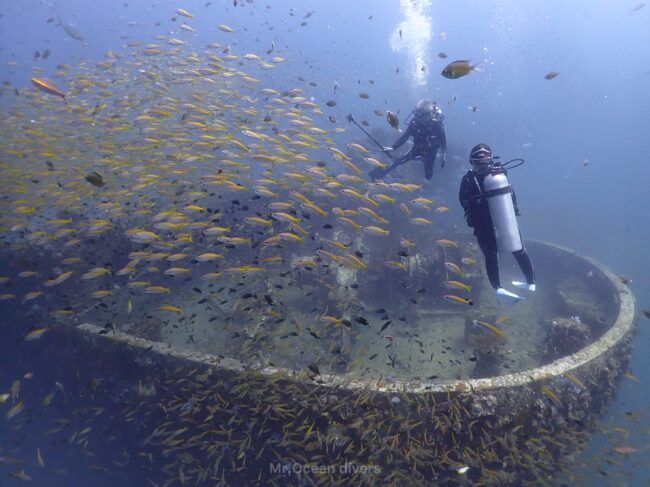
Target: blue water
[(583, 135)]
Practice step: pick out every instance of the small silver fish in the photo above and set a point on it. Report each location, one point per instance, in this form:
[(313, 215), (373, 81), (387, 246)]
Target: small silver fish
[(71, 31)]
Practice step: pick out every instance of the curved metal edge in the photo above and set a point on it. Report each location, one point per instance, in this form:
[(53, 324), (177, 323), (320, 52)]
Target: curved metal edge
[(623, 325)]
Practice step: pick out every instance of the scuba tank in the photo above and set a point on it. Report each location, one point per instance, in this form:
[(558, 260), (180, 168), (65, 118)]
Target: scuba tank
[(498, 194)]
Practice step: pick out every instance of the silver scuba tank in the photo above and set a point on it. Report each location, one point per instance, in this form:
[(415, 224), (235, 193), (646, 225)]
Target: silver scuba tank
[(502, 210)]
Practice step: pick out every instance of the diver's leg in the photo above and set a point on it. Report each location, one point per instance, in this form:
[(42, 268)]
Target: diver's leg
[(428, 168), (425, 159), (488, 246), (430, 162), (402, 160), (526, 266)]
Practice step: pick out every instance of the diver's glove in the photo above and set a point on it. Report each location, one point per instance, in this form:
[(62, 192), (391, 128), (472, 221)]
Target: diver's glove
[(443, 160), (387, 149)]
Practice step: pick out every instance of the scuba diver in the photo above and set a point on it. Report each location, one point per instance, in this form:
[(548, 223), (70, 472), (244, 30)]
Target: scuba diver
[(491, 209), (428, 132)]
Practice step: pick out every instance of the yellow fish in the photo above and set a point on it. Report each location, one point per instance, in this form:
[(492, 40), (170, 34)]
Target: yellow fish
[(288, 236), (16, 409), (35, 334), (358, 147), (420, 221), (374, 230), (173, 309), (102, 293), (142, 236), (244, 269), (208, 256), (488, 326), (156, 290), (46, 86), (350, 222), (25, 274), (313, 207), (22, 475), (373, 214), (625, 450), (286, 217), (15, 390), (234, 240), (458, 299), (404, 242), (458, 285), (137, 284), (195, 208), (383, 197), (446, 243), (332, 256), (258, 220), (95, 273), (176, 257), (58, 280), (47, 400), (355, 261), (177, 271), (555, 399), (454, 268), (216, 230), (262, 191), (211, 276), (422, 202), (575, 380), (280, 205), (184, 13), (396, 265)]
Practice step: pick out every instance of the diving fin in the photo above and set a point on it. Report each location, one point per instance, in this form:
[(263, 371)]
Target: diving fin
[(524, 285), (507, 297)]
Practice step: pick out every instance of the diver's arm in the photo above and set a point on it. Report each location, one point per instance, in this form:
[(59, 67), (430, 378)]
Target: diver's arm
[(403, 138), (465, 196)]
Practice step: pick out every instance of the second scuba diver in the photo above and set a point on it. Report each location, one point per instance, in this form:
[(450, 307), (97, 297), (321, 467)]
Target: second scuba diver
[(491, 209), (428, 132)]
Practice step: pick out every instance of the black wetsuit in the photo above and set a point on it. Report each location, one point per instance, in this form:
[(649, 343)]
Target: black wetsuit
[(428, 138), (478, 217)]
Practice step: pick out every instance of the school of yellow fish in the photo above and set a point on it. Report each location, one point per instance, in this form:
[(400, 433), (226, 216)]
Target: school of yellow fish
[(174, 177)]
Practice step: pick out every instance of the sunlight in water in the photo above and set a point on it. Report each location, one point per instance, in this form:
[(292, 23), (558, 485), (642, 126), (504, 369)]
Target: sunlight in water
[(414, 35)]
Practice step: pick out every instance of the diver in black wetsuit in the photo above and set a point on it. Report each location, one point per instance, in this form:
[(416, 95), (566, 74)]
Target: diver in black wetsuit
[(473, 199), (428, 132)]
